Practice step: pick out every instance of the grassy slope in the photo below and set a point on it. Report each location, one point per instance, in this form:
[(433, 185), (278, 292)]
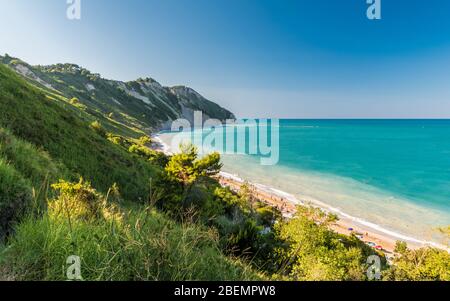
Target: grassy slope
[(29, 114), (47, 139), (25, 174), (148, 247), (73, 84)]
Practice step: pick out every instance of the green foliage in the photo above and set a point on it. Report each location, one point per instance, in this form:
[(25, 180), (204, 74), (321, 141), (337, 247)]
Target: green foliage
[(142, 151), (80, 202), (159, 159), (76, 103), (152, 156), (187, 189), (144, 140), (316, 253), (111, 96), (245, 229), (208, 166), (49, 125), (401, 247), (98, 128), (186, 167), (15, 197), (267, 215), (79, 219), (229, 199), (34, 164), (425, 264), (115, 139), (145, 245), (182, 179)]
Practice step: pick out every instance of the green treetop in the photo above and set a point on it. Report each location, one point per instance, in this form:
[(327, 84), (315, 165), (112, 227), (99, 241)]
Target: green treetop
[(186, 168)]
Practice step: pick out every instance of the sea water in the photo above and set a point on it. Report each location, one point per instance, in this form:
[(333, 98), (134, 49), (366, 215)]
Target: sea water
[(391, 175)]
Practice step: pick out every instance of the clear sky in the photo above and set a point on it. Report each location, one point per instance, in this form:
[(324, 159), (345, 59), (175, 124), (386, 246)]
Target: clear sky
[(259, 58)]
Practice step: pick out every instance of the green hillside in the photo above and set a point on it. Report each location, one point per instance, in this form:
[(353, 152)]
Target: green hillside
[(34, 116), (142, 104), (43, 138)]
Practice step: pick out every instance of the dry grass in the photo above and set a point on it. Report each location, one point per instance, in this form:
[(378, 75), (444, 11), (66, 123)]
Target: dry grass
[(6, 275)]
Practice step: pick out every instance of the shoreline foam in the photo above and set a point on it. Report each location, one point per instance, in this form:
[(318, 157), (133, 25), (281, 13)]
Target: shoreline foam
[(375, 231), (327, 208)]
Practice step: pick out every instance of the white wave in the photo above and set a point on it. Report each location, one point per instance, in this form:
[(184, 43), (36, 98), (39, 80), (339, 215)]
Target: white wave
[(341, 214), (327, 208)]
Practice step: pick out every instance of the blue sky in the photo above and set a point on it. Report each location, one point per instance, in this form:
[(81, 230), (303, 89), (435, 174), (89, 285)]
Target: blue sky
[(259, 58)]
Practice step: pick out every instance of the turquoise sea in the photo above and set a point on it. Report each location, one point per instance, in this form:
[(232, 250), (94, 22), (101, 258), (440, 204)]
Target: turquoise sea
[(392, 175)]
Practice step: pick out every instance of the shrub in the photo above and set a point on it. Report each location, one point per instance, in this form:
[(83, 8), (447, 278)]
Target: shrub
[(145, 152), (267, 215), (159, 159), (426, 264), (401, 247), (231, 201), (79, 201), (140, 150), (144, 140), (98, 128), (115, 139), (313, 252), (186, 168), (144, 246)]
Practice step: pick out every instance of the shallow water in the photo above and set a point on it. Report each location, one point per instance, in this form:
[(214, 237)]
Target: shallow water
[(393, 174)]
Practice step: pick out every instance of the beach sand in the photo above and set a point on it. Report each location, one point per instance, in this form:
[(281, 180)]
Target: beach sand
[(287, 207)]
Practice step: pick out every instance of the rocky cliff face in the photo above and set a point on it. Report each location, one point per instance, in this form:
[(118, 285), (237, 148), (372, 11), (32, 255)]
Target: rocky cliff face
[(143, 103)]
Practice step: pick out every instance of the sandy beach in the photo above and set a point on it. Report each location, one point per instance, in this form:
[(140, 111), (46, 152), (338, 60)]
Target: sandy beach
[(288, 209), (381, 240)]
